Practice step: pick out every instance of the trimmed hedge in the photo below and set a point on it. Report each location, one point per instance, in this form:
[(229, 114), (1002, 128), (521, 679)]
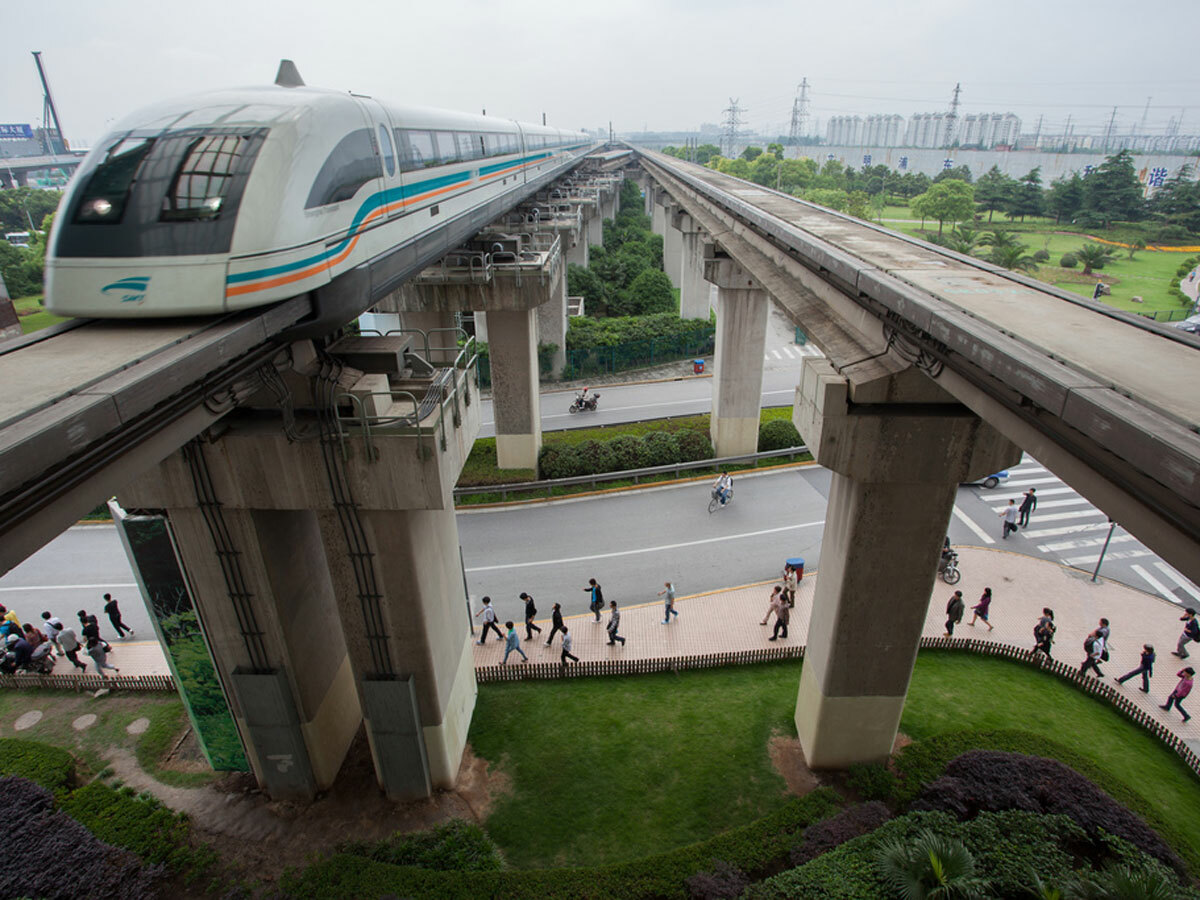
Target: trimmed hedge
[(658, 448), (585, 333), (51, 767), (777, 434), (753, 848)]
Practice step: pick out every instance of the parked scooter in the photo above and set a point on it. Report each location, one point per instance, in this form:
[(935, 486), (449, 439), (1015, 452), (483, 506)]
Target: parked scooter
[(948, 567), (584, 402)]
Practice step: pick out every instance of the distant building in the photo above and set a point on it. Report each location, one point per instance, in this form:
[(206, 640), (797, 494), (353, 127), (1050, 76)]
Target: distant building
[(875, 131), (926, 130), (987, 130)]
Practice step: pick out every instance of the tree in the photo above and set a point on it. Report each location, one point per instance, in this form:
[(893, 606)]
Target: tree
[(650, 292), (584, 282), (1113, 192), (738, 168), (705, 152), (1065, 197), (765, 170), (20, 206), (1013, 257), (1093, 256), (796, 174), (1178, 201), (958, 173), (775, 150), (993, 190), (963, 239), (750, 154), (999, 238), (931, 866), (947, 201), (832, 175), (858, 204), (1026, 197), (830, 198), (1135, 245)]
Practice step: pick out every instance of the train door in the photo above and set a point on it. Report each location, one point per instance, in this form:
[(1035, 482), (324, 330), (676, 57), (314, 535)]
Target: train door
[(384, 131)]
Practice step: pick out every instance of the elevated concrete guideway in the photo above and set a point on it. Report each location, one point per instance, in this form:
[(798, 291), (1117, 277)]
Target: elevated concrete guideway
[(1099, 396)]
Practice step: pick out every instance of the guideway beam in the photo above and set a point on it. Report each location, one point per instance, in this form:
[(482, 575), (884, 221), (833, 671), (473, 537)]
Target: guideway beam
[(896, 467)]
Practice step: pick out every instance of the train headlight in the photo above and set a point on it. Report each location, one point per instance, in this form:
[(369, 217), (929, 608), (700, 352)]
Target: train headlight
[(98, 208), (212, 206)]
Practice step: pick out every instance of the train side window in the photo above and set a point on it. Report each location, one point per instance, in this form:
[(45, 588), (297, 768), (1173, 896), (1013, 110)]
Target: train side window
[(419, 152), (353, 162), (385, 143), (446, 146), (103, 200), (202, 181)]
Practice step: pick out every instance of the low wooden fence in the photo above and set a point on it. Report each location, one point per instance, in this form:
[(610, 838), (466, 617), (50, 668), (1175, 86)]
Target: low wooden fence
[(1066, 671), (90, 682)]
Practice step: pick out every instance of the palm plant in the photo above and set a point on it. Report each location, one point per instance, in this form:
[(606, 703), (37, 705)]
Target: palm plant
[(1123, 883), (1013, 257), (1093, 256), (999, 238), (963, 239), (931, 867)]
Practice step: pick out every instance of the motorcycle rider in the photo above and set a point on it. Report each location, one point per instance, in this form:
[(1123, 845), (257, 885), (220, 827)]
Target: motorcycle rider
[(583, 401)]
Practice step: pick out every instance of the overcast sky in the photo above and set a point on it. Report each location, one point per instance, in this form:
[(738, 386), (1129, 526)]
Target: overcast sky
[(665, 64)]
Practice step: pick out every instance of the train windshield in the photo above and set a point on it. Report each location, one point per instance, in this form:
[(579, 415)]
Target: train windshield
[(203, 179), (107, 191)]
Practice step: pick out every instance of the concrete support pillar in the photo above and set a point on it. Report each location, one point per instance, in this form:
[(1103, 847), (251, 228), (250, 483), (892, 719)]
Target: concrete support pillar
[(279, 647), (693, 289), (896, 469), (658, 217), (515, 397), (552, 324), (593, 224), (738, 366), (577, 249), (418, 709), (672, 246)]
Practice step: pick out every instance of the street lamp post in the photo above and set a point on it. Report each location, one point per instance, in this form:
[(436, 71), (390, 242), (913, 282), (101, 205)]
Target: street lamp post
[(1104, 549)]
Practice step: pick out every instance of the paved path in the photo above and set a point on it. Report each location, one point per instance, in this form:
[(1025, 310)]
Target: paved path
[(728, 620)]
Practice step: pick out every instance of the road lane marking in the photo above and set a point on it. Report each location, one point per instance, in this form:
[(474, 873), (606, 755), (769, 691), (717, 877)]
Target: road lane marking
[(970, 523), (1069, 529), (660, 548), (1124, 554), (1078, 514), (1155, 583), (1050, 504), (1031, 481), (1187, 586), (1079, 545)]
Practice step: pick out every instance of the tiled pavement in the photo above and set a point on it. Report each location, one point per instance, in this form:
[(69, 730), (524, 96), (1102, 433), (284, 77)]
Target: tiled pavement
[(728, 620)]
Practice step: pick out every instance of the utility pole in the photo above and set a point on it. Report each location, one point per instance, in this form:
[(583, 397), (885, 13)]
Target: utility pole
[(733, 119), (952, 117), (799, 112), (1109, 131), (49, 113)]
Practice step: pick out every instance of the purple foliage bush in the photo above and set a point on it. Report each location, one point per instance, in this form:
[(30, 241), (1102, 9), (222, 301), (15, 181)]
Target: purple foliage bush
[(48, 854), (823, 836), (724, 882), (993, 781)]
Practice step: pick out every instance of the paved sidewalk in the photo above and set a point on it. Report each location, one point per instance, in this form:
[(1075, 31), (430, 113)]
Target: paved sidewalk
[(728, 620)]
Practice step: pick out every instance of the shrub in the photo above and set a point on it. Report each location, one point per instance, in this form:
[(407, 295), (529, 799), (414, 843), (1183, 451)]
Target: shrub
[(778, 434), (846, 825), (558, 462), (456, 846), (693, 445), (593, 457), (52, 768), (628, 452), (662, 448), (724, 882), (1068, 261), (872, 781), (1172, 233), (47, 854), (993, 781), (1041, 255)]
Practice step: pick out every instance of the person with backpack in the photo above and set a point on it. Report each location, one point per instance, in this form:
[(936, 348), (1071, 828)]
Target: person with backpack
[(1043, 632), (1191, 632), (954, 612), (1181, 690), (1145, 668), (489, 620), (597, 601), (1093, 647)]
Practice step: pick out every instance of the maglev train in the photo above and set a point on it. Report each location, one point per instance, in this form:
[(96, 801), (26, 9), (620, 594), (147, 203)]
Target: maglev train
[(245, 197)]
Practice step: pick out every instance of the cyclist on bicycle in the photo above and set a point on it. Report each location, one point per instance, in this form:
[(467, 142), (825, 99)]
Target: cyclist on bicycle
[(722, 487)]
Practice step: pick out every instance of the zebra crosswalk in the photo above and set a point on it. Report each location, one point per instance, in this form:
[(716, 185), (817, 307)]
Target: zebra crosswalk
[(790, 352), (1066, 527)]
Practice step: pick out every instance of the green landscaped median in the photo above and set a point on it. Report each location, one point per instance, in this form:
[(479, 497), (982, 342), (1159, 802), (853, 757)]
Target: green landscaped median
[(481, 470), (612, 769)]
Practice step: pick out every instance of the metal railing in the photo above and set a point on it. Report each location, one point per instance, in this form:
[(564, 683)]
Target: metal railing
[(449, 388), (635, 475)]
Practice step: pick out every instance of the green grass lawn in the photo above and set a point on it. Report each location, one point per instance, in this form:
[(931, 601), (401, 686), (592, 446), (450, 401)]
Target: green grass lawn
[(611, 769), (34, 321)]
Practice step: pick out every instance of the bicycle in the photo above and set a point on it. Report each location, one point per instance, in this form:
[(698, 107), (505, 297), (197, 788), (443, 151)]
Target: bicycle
[(715, 503)]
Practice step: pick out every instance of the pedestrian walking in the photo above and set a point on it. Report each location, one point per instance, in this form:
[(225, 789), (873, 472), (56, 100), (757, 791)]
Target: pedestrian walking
[(1009, 515), (783, 615), (1028, 505), (50, 626), (1043, 632), (774, 604), (556, 621), (596, 604), (1181, 690), (489, 620), (512, 642), (614, 623), (114, 616), (790, 582), (1106, 633), (981, 608), (69, 643), (530, 612), (1191, 632), (954, 612), (1093, 648), (1145, 668), (95, 649), (668, 604), (566, 647)]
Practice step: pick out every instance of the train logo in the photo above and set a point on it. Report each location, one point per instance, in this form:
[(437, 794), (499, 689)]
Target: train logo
[(133, 290)]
